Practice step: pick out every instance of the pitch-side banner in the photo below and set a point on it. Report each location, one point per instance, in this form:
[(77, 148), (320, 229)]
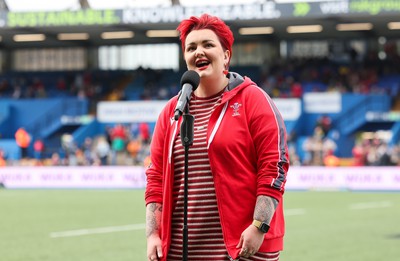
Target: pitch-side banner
[(344, 178), (72, 177), (129, 177)]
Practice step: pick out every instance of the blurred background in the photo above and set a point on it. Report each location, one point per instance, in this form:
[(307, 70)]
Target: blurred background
[(74, 73), (83, 81)]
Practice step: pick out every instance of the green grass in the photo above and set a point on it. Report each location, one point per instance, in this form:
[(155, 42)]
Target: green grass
[(28, 217), (337, 226), (343, 226)]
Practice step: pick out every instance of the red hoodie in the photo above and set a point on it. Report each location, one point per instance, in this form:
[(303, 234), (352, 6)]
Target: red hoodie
[(248, 155)]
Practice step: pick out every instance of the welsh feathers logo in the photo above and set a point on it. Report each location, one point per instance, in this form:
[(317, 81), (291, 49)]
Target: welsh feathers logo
[(235, 108)]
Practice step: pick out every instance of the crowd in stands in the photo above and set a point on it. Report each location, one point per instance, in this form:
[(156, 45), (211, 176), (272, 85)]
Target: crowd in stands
[(374, 151), (284, 78), (369, 150), (121, 144), (91, 85), (294, 77), (129, 144)]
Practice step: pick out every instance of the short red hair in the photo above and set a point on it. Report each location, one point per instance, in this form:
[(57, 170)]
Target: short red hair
[(206, 21)]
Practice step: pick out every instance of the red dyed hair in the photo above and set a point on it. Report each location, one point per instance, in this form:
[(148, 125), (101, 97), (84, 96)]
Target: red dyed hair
[(206, 21)]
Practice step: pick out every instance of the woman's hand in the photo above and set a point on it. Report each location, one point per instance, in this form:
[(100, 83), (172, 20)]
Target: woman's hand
[(153, 220), (154, 250), (250, 241)]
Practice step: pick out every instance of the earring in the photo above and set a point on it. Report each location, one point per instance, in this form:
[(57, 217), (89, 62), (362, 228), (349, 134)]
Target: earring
[(225, 71)]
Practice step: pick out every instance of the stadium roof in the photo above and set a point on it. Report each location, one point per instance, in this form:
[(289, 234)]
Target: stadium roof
[(50, 18)]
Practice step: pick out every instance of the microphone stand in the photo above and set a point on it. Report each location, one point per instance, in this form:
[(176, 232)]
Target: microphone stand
[(187, 133)]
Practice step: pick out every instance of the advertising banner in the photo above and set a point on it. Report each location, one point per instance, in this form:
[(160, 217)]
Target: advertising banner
[(344, 178), (73, 177), (324, 102), (130, 177), (174, 14), (129, 111)]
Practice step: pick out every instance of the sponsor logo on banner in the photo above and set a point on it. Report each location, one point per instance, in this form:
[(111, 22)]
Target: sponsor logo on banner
[(129, 111), (322, 102)]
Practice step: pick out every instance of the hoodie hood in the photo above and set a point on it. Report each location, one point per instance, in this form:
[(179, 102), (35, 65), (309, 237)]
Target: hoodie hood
[(236, 83), (235, 80)]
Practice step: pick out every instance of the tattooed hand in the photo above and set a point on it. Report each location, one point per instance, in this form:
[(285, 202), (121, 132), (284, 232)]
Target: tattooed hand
[(153, 219)]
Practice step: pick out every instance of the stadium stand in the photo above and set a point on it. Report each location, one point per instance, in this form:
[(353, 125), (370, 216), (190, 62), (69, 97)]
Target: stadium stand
[(59, 107)]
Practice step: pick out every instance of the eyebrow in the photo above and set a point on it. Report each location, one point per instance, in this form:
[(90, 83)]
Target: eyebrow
[(204, 41)]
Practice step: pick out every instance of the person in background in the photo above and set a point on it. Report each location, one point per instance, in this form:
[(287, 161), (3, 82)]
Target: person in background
[(144, 130), (102, 149), (23, 139), (3, 161), (238, 162), (38, 149), (55, 159), (325, 123), (395, 154), (88, 154), (118, 144), (133, 147), (359, 155), (331, 160)]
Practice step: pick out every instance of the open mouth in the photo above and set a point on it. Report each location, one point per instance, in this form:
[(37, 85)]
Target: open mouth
[(202, 63)]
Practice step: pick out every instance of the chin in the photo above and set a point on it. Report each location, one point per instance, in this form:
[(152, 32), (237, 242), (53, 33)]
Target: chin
[(201, 73), (205, 73)]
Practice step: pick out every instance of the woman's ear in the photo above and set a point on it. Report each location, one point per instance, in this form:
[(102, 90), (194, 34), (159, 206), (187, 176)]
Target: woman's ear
[(227, 56)]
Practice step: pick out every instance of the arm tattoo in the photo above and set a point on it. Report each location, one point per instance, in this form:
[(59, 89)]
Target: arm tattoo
[(265, 208), (153, 218)]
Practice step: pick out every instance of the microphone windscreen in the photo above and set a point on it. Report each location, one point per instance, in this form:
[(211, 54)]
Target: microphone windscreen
[(192, 78)]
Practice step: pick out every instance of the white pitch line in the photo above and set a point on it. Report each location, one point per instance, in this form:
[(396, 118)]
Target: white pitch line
[(369, 205), (295, 211), (100, 230), (104, 230)]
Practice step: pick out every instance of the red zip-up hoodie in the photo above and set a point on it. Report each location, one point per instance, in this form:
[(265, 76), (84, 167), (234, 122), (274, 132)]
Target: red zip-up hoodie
[(248, 155)]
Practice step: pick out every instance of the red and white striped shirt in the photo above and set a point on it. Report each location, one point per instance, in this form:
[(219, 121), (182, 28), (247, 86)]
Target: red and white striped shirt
[(205, 239)]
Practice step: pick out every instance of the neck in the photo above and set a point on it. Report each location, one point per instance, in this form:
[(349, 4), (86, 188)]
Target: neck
[(211, 87)]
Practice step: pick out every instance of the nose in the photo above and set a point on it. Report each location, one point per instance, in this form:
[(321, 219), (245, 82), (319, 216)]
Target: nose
[(199, 52)]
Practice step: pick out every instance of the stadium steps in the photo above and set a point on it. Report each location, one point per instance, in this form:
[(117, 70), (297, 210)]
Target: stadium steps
[(356, 118), (117, 93), (53, 142), (10, 148), (65, 112), (92, 129), (395, 134), (396, 105), (5, 118)]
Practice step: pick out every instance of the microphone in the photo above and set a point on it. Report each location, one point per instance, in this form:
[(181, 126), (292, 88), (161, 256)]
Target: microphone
[(190, 81)]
